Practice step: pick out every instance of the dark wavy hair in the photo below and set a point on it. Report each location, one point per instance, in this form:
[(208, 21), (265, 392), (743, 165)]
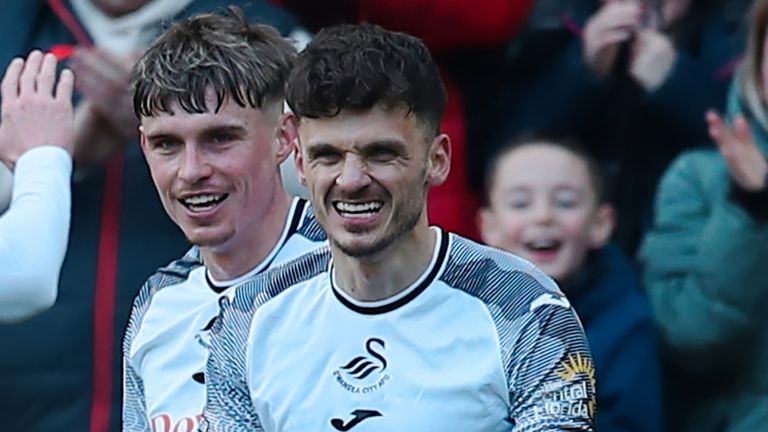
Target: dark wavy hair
[(601, 189), (248, 63), (357, 67)]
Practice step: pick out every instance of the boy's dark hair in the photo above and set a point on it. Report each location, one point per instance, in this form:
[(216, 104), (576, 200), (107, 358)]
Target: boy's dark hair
[(571, 145), (356, 67), (247, 63)]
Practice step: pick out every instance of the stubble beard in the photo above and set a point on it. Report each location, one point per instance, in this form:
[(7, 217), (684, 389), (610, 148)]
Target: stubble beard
[(408, 217)]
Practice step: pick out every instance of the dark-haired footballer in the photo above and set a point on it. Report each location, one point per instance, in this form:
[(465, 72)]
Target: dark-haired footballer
[(401, 326), (209, 93)]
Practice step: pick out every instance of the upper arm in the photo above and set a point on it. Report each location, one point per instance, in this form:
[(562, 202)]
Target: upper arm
[(34, 233), (229, 407), (551, 375)]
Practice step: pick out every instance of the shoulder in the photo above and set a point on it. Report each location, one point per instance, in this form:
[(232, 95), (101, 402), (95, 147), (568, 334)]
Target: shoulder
[(696, 163), (306, 223), (618, 308), (496, 276), (174, 273), (693, 175), (270, 284)]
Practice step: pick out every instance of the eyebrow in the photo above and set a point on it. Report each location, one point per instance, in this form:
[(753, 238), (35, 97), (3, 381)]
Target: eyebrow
[(391, 144), (212, 130), (314, 149)]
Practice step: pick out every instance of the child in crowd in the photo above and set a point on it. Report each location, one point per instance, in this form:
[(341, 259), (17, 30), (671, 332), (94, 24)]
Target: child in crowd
[(545, 201)]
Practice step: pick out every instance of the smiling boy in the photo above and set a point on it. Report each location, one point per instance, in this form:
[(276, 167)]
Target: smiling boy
[(547, 203)]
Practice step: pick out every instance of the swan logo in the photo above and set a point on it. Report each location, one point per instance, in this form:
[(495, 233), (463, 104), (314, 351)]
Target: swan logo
[(357, 375), (362, 366)]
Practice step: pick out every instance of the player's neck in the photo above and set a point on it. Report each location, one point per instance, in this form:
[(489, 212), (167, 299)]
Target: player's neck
[(390, 272), (249, 250)]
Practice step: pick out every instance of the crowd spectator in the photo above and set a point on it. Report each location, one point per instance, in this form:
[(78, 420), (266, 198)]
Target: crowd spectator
[(562, 223), (630, 81), (706, 261)]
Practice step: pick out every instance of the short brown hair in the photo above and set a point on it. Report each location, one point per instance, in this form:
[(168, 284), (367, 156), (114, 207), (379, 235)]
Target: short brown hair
[(248, 63), (357, 67)]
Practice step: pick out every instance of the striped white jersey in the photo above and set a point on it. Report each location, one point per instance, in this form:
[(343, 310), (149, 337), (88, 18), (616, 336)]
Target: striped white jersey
[(166, 343), (482, 341)]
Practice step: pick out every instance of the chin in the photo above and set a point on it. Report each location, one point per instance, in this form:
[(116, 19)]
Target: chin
[(209, 240), (358, 248)]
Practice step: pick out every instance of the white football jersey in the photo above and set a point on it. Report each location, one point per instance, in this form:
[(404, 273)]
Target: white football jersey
[(482, 341), (166, 343)]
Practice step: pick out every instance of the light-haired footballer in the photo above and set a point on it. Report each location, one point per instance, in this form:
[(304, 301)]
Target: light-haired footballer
[(402, 326), (209, 93)]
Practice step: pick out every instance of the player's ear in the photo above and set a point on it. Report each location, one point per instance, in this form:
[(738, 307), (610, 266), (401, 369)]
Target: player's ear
[(285, 137), (143, 141), (439, 160), (289, 135), (603, 223)]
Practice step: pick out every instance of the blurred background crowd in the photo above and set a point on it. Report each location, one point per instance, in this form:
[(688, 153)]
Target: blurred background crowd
[(618, 144)]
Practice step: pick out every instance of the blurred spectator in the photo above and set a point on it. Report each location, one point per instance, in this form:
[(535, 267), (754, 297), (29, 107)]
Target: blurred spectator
[(63, 371), (561, 222), (455, 31), (706, 261), (631, 80), (34, 231)]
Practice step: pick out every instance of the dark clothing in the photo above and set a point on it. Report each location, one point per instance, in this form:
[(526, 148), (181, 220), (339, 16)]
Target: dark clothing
[(620, 330), (60, 371), (632, 132)]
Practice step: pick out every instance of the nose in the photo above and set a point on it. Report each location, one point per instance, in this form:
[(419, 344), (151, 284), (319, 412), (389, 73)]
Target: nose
[(543, 213), (353, 175), (194, 166)]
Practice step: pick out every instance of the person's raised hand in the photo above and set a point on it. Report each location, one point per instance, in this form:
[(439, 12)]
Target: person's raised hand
[(614, 23), (104, 81), (747, 165), (36, 107), (651, 60)]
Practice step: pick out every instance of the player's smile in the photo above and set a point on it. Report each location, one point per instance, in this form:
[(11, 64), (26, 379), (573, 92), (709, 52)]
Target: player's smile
[(358, 216), (202, 203)]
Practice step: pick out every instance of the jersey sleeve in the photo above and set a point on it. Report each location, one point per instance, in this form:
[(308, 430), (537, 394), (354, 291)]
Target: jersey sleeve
[(551, 375), (34, 232), (135, 417), (229, 407)]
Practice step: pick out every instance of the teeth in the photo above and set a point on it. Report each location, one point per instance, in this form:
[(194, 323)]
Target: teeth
[(198, 200), (367, 208), (543, 244)]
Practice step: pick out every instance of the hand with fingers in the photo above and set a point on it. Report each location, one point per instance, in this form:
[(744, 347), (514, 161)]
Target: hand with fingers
[(103, 79), (747, 165), (651, 60), (616, 22), (36, 109)]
